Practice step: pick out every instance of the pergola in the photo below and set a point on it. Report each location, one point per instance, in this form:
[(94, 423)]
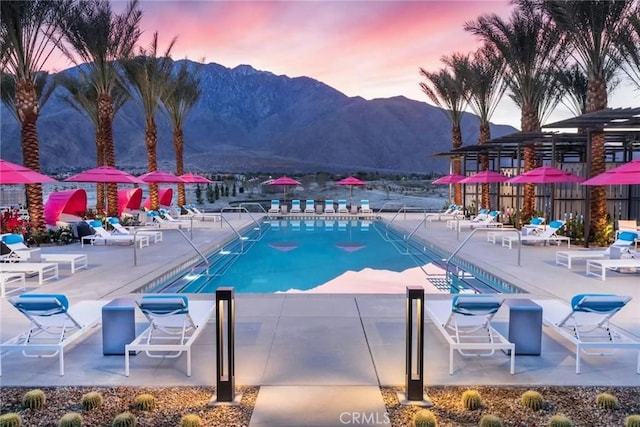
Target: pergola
[(621, 127)]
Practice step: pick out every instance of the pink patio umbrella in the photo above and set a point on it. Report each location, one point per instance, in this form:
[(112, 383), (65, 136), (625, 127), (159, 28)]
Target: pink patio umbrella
[(161, 177), (285, 181), (351, 181), (627, 174), (484, 177), (191, 178), (104, 174), (12, 173), (453, 178)]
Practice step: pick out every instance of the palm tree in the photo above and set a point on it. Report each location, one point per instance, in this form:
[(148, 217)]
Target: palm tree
[(178, 101), (447, 90), (96, 39), (149, 75), (532, 49), (630, 44), (483, 76), (27, 39), (83, 97), (593, 30)]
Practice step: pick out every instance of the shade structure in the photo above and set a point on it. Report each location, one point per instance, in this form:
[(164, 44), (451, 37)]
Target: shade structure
[(67, 206), (453, 178), (351, 181), (484, 177), (627, 174), (161, 177), (285, 182), (12, 173), (165, 198), (105, 174), (545, 175), (194, 179), (130, 198)]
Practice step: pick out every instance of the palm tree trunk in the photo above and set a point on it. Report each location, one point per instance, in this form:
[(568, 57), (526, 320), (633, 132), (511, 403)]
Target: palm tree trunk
[(178, 145), (27, 108), (151, 141), (99, 162), (485, 136), (597, 100), (529, 123), (105, 111), (456, 136)]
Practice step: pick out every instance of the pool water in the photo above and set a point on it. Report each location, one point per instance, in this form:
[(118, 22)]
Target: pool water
[(301, 255)]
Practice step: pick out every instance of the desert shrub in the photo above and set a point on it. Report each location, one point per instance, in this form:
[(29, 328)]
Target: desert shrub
[(560, 421), (490, 421), (125, 419), (91, 400), (632, 421), (145, 402), (607, 401), (34, 399), (532, 400), (425, 418), (71, 419), (190, 420), (471, 400), (10, 419)]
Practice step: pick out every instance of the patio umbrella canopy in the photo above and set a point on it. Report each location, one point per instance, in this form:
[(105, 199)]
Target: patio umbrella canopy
[(104, 174), (285, 181), (484, 177), (351, 181), (161, 177), (627, 174), (453, 178), (12, 173), (545, 175), (191, 178)]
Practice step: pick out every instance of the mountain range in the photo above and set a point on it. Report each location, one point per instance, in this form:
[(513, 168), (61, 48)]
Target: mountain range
[(249, 120)]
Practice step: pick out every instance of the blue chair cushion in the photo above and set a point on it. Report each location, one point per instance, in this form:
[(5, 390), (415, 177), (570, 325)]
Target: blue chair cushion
[(556, 224), (12, 238), (50, 304), (96, 223), (536, 221), (113, 220), (609, 305), (473, 305), (164, 304), (629, 236)]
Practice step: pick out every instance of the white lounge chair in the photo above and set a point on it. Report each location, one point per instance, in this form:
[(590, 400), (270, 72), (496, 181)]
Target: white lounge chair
[(465, 322), (103, 236), (154, 235), (482, 215), (599, 267), (18, 250), (310, 206), (328, 206), (194, 212), (586, 324), (275, 206), (11, 279), (365, 208), (545, 236), (54, 324), (342, 206), (45, 270), (621, 246), (452, 212), (175, 324), (484, 221), (295, 206)]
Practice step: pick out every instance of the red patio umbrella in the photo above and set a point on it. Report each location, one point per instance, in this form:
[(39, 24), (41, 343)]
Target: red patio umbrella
[(627, 174), (453, 178), (191, 178), (285, 181), (105, 174), (484, 177), (351, 181), (12, 173)]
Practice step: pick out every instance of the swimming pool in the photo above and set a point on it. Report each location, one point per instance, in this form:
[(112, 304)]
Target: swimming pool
[(327, 255)]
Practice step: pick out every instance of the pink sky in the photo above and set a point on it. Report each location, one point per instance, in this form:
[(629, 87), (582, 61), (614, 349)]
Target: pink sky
[(367, 48)]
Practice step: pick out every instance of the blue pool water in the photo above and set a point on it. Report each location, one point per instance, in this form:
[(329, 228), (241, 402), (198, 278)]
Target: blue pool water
[(302, 255)]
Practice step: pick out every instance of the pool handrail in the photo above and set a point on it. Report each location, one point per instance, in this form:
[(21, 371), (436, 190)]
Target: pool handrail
[(240, 209), (242, 205)]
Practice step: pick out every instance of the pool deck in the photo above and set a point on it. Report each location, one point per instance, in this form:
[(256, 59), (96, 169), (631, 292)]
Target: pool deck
[(318, 356)]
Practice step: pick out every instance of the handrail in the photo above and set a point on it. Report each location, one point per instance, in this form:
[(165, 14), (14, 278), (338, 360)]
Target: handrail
[(456, 250), (135, 253), (240, 209), (254, 204), (235, 231), (424, 221)]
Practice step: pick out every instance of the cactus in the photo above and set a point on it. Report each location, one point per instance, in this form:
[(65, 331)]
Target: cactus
[(532, 400), (560, 421), (190, 420), (607, 401), (71, 419), (10, 419), (632, 421), (125, 419), (490, 421), (91, 400), (145, 402), (34, 399), (425, 418), (471, 400)]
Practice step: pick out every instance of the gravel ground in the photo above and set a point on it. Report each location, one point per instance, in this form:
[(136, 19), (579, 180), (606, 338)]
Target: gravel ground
[(578, 403)]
